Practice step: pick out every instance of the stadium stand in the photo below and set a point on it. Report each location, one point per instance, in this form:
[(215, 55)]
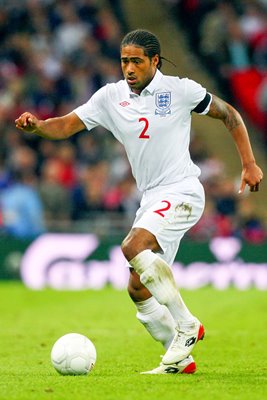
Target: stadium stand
[(85, 183), (230, 38)]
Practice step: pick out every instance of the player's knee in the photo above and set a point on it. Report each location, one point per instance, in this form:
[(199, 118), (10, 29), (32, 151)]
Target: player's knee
[(128, 248), (136, 241)]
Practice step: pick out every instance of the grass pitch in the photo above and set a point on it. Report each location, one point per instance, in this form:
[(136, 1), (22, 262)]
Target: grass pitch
[(231, 360)]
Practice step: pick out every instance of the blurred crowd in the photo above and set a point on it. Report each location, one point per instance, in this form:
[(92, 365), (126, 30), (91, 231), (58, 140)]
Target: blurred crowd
[(230, 37), (226, 212), (54, 54)]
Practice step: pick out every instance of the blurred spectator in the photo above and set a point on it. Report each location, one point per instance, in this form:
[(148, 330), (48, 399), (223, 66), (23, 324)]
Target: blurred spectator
[(253, 22), (206, 228), (55, 196), (71, 31), (230, 37), (22, 159), (213, 37), (88, 195), (123, 197), (210, 165), (220, 214), (65, 159), (119, 165), (252, 225), (262, 103), (46, 149), (4, 175), (237, 47), (21, 207), (225, 198), (88, 150)]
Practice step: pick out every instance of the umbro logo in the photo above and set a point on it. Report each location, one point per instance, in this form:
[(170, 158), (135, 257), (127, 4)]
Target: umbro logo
[(190, 341), (124, 103)]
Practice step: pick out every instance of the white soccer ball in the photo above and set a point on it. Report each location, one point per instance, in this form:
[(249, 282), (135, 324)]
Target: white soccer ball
[(73, 354)]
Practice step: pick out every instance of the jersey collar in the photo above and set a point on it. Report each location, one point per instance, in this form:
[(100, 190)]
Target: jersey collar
[(151, 87)]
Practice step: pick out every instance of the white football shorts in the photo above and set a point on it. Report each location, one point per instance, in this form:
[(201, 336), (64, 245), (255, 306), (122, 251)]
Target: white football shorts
[(168, 212)]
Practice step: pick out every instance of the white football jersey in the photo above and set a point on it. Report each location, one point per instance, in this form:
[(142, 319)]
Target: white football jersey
[(154, 127)]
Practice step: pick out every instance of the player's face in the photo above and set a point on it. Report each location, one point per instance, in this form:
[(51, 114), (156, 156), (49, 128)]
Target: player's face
[(138, 69)]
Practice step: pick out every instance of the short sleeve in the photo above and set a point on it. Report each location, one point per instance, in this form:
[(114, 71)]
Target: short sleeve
[(93, 112), (194, 95)]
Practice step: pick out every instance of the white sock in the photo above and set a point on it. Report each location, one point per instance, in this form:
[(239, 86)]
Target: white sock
[(156, 275), (157, 320)]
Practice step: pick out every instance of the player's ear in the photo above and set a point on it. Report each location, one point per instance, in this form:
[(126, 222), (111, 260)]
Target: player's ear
[(155, 60)]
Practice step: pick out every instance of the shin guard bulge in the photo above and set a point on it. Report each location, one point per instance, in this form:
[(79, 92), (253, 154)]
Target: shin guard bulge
[(156, 275)]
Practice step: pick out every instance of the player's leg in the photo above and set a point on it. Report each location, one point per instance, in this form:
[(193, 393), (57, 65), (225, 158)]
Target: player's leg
[(155, 317), (159, 322), (160, 229), (156, 275)]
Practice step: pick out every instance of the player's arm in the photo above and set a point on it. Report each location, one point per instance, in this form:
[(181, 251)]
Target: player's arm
[(251, 173), (52, 128)]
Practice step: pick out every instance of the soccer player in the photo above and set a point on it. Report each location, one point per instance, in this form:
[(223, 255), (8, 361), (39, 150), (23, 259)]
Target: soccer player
[(150, 114)]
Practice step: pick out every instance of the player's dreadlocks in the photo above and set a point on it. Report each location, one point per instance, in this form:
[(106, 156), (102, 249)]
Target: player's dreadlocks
[(146, 40)]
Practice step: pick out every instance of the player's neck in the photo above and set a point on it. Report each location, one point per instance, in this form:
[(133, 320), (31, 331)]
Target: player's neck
[(136, 91)]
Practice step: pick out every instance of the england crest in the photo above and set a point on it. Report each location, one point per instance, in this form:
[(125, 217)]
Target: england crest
[(163, 103)]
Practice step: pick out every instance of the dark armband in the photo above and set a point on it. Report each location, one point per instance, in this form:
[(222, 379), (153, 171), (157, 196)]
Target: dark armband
[(201, 107)]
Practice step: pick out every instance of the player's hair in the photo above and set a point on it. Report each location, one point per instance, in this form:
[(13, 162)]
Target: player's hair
[(147, 41)]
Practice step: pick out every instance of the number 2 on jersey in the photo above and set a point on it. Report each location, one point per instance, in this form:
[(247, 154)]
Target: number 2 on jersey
[(143, 134), (166, 208)]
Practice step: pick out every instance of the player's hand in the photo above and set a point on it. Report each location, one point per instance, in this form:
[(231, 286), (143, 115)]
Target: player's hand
[(252, 176), (27, 122)]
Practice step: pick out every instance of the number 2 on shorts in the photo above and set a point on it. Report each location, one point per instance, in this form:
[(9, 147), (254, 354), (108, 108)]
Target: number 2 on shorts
[(161, 210)]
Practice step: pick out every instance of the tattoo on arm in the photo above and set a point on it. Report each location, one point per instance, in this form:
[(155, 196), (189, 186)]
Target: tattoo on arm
[(219, 109)]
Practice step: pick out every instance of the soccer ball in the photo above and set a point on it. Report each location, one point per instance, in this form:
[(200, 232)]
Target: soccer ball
[(73, 354)]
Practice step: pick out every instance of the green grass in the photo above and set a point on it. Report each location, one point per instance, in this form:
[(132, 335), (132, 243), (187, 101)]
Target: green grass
[(231, 360)]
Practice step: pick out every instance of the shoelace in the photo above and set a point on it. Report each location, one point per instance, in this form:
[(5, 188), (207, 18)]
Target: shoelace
[(176, 341)]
